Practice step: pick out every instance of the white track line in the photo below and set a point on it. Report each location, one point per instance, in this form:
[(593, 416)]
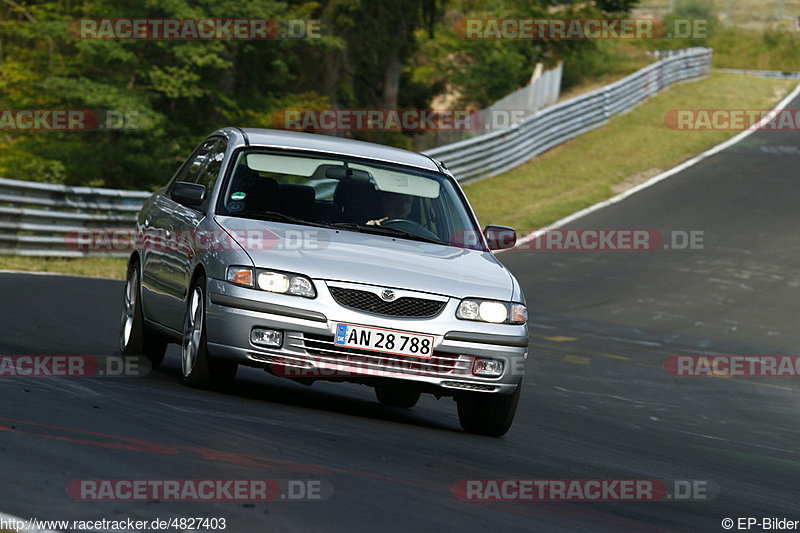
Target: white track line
[(664, 175)]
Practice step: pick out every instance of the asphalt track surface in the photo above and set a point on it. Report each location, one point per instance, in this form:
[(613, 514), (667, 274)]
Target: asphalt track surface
[(597, 402)]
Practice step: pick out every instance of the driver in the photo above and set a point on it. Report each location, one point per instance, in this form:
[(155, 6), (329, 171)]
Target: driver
[(395, 206)]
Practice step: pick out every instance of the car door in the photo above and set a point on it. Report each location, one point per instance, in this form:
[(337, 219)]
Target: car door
[(163, 270), (181, 257)]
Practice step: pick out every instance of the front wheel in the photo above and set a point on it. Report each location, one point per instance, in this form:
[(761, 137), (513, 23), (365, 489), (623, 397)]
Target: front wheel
[(488, 414), (134, 337), (198, 367)]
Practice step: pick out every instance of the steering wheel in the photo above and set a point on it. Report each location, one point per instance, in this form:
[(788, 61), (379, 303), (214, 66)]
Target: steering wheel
[(411, 226)]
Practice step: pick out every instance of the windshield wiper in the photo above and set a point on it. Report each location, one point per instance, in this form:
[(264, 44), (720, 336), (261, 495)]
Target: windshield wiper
[(387, 231), (274, 216)]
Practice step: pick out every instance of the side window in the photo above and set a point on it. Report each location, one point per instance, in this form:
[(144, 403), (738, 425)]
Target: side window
[(192, 168), (209, 174)]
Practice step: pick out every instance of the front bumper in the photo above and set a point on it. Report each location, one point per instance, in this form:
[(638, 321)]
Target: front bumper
[(308, 351)]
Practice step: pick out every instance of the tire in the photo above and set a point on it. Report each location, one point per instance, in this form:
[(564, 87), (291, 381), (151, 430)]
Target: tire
[(135, 338), (198, 368), (394, 396), (488, 414)]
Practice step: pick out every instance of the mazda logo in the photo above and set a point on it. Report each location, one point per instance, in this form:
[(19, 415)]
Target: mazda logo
[(387, 295)]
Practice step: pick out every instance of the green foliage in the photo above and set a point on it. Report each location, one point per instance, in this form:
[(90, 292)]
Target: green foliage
[(602, 63), (480, 71), (379, 53), (616, 6), (184, 89)]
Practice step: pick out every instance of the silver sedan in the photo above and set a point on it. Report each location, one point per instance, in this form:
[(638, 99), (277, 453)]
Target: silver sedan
[(319, 258)]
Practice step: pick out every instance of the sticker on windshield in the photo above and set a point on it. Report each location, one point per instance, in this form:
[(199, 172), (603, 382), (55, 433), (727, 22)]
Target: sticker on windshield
[(238, 196)]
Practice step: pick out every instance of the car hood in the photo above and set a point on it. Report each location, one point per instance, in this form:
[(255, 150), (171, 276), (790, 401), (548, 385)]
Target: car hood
[(344, 255)]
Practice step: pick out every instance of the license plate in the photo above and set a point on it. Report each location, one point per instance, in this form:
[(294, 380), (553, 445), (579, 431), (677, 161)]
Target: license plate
[(384, 340)]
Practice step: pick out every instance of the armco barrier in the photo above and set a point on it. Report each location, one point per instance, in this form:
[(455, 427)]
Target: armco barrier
[(35, 218), (493, 153)]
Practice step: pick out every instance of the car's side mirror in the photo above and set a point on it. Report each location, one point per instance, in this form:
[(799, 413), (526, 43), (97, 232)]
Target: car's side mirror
[(500, 237), (188, 194)]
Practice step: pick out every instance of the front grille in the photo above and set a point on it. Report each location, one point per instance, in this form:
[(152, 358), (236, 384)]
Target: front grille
[(438, 364), (405, 307)]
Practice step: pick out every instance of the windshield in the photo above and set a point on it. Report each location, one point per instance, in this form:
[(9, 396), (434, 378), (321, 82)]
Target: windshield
[(349, 194)]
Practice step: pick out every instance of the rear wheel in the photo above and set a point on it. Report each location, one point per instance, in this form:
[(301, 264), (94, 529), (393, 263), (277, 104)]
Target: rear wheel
[(198, 367), (135, 337), (394, 396), (488, 414)]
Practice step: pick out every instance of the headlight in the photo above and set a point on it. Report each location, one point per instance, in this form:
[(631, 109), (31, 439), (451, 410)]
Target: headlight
[(273, 282), (267, 280), (302, 286), (492, 311)]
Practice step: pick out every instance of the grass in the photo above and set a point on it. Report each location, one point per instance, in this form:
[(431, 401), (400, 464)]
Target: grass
[(738, 48), (762, 50), (630, 149), (95, 267), (745, 34), (753, 14)]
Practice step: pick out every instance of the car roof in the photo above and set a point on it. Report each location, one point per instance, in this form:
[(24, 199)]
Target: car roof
[(292, 140)]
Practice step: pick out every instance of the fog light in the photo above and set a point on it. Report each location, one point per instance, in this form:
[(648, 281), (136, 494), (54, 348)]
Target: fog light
[(487, 367), (266, 337)]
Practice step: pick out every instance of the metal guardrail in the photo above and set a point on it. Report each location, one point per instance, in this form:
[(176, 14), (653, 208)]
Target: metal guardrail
[(38, 219), (496, 152)]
